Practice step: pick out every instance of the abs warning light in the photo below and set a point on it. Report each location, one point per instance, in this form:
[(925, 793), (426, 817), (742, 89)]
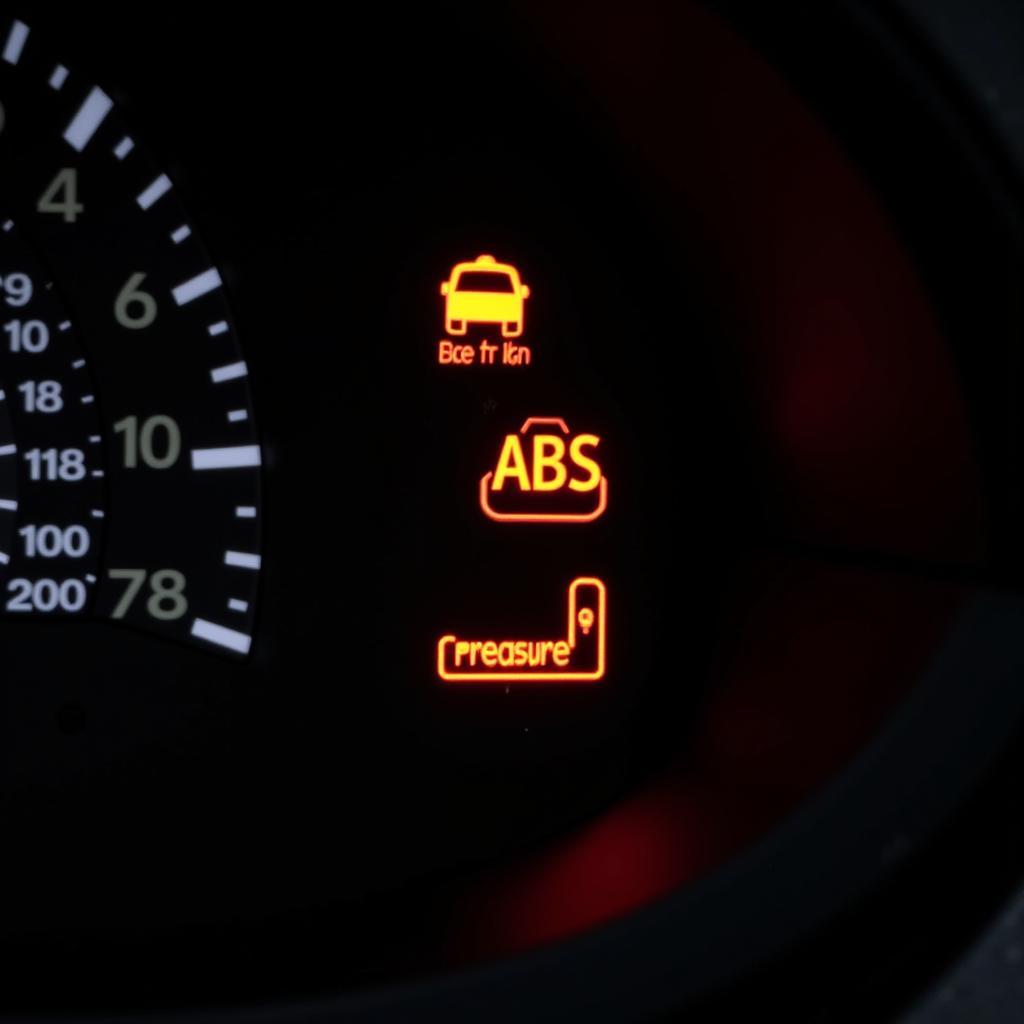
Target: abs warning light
[(576, 657), (545, 474)]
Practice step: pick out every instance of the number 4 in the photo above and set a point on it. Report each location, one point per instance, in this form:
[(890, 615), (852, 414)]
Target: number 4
[(61, 196)]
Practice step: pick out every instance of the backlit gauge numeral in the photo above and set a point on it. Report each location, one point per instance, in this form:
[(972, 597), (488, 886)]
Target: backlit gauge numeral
[(61, 196), (66, 464), (166, 600), (42, 396), (49, 541), (17, 288), (46, 595), (155, 442), (27, 336), (134, 308)]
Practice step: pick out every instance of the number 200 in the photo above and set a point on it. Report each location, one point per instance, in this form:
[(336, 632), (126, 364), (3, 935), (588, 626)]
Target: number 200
[(46, 595)]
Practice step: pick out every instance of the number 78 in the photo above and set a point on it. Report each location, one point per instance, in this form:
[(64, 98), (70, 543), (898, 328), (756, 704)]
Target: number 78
[(166, 600)]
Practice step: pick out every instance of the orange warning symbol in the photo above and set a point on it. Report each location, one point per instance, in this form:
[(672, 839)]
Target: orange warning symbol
[(578, 657), (484, 291), (545, 475)]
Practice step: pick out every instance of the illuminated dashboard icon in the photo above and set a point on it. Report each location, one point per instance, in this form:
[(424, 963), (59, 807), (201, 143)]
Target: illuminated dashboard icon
[(484, 292), (543, 476), (578, 657)]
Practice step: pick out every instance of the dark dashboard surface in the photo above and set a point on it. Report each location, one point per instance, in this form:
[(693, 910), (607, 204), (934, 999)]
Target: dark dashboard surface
[(511, 510)]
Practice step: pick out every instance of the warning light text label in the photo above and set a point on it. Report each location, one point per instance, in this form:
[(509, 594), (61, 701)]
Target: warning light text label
[(483, 353)]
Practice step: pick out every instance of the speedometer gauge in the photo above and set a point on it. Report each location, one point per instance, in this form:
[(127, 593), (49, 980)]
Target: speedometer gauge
[(131, 461)]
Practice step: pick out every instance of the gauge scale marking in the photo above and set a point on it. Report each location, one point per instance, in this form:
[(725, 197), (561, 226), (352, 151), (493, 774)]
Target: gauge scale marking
[(129, 460)]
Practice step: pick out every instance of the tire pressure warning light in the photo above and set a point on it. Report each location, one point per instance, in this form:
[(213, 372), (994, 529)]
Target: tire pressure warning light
[(545, 474), (576, 657)]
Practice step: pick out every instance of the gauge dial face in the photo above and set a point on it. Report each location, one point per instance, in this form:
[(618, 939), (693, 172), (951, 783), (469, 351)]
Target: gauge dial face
[(132, 455)]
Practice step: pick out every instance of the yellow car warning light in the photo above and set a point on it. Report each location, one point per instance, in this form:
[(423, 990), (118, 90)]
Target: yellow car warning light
[(484, 291)]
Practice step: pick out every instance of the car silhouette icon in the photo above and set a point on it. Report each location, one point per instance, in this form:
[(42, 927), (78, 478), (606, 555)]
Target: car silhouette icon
[(484, 292)]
